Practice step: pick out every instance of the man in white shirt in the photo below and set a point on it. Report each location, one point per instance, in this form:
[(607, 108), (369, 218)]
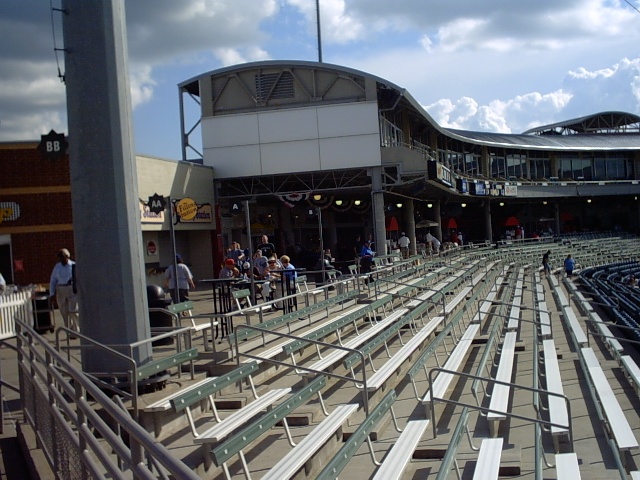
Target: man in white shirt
[(62, 289), (403, 243)]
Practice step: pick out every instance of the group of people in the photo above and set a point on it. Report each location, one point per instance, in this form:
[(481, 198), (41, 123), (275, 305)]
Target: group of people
[(266, 269), (569, 264)]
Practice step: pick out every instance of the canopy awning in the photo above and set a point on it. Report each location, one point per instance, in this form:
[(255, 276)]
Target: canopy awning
[(511, 222), (392, 224)]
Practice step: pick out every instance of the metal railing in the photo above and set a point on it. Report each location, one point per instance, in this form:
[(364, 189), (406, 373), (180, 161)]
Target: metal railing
[(74, 420)]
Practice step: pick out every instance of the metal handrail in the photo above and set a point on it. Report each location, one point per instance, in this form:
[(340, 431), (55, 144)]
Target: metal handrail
[(306, 369), (485, 410), (78, 387)]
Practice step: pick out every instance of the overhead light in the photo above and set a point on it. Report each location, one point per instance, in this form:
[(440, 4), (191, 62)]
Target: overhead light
[(463, 205), (588, 200), (399, 205), (502, 204), (317, 198), (338, 202), (429, 205), (357, 202), (544, 202)]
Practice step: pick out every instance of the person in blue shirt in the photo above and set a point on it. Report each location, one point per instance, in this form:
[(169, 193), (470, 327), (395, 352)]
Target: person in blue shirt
[(366, 257), (569, 265)]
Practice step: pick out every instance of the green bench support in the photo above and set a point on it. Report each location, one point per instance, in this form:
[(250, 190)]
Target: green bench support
[(379, 339), (156, 366), (234, 445), (351, 446), (178, 308), (185, 400), (336, 325), (273, 323)]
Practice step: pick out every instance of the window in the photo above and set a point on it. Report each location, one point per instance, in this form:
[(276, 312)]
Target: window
[(540, 168)]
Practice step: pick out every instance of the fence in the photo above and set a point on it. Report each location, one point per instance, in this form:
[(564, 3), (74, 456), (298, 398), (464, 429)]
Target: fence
[(12, 305)]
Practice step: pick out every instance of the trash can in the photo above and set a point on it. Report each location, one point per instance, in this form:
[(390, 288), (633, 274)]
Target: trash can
[(156, 299), (42, 313)]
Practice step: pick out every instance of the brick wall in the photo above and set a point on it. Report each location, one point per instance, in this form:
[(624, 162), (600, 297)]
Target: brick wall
[(40, 187)]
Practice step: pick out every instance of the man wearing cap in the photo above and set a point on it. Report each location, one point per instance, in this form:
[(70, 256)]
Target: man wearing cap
[(403, 243), (185, 280), (229, 270), (62, 289)]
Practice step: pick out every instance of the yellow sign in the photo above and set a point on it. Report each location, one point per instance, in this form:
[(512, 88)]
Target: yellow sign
[(9, 211), (186, 209)]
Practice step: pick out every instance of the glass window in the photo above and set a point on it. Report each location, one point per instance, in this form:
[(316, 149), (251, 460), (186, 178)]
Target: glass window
[(599, 168), (540, 168), (498, 166), (471, 164)]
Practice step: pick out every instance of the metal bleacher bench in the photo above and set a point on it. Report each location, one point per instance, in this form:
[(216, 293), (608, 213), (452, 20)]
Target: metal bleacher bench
[(558, 412), (206, 391), (160, 365), (567, 466), (235, 443), (568, 313), (183, 311), (488, 464), (335, 324), (618, 423), (350, 447), (444, 379), (291, 317), (328, 360), (296, 458), (402, 451), (500, 394), (632, 371)]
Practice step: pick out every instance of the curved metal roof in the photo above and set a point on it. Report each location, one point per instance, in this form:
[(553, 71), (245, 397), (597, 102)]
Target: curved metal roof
[(591, 123), (608, 141)]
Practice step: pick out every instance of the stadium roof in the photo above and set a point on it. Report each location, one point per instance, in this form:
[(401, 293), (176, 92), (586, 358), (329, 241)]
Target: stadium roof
[(604, 122), (603, 131)]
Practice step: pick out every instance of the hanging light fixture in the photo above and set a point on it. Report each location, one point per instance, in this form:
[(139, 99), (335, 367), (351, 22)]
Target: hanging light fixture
[(357, 202), (338, 202), (317, 198)]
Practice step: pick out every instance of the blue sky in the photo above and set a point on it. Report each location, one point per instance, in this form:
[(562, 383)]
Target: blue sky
[(490, 65)]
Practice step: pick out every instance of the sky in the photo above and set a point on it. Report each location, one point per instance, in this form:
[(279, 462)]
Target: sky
[(485, 65)]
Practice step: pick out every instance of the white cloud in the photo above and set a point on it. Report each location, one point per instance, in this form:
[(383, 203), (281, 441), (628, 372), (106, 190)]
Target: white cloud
[(141, 84), (508, 116), (478, 65), (337, 25)]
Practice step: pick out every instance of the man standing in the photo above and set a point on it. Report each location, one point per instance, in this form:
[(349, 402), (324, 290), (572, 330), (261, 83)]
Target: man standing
[(546, 266), (185, 280), (63, 291), (404, 242), (268, 249), (569, 265)]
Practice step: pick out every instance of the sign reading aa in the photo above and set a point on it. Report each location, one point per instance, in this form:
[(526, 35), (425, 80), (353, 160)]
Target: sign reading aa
[(53, 146), (156, 203)]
